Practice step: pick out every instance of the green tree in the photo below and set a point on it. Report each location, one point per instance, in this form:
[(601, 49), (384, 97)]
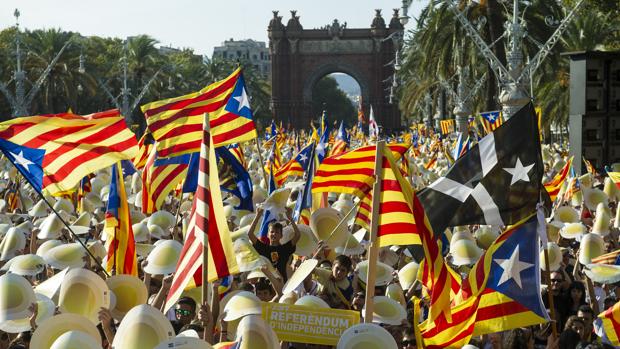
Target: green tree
[(326, 95)]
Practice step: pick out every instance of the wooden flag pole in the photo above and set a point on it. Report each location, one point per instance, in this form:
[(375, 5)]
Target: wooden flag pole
[(373, 250), (547, 274), (343, 220), (260, 159)]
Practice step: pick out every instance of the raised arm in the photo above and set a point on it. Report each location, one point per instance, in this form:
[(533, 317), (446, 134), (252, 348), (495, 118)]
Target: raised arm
[(296, 233), (251, 235)]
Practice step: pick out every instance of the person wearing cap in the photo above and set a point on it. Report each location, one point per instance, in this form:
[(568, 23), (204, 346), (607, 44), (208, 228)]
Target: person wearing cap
[(278, 254)]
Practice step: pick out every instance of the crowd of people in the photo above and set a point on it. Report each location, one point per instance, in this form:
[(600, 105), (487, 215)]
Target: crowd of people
[(54, 291)]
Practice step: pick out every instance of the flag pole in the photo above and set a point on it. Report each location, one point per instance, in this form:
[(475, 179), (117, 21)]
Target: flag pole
[(75, 237), (373, 250), (260, 159), (343, 220), (205, 236)]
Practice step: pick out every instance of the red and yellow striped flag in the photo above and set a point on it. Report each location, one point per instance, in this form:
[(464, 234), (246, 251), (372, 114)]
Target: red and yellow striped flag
[(351, 172), (144, 149), (615, 177), (176, 123), (74, 145), (159, 180), (207, 225), (554, 186), (611, 323)]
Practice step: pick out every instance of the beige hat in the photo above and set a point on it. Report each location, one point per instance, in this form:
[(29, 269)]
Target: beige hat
[(387, 311), (51, 228), (81, 226), (611, 189), (383, 273), (64, 205), (16, 296), (143, 250), (486, 235), (75, 340), (592, 197), (242, 304), (307, 241), (51, 329), (162, 219), (27, 265), (276, 203), (129, 291), (573, 230), (13, 241), (50, 287), (351, 247), (247, 257), (246, 220), (83, 292), (254, 332), (367, 336), (408, 274), (586, 180), (300, 274), (395, 292), (555, 256), (164, 257), (323, 221), (47, 245), (140, 231), (592, 246), (464, 251), (183, 342), (68, 255), (259, 194), (564, 215), (142, 327), (40, 209), (603, 273), (601, 220), (45, 310)]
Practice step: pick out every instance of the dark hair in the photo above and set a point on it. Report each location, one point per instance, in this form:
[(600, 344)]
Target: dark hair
[(515, 339), (276, 226), (577, 285), (325, 261), (246, 286), (569, 339), (344, 261), (571, 320), (188, 301), (263, 285), (586, 309)]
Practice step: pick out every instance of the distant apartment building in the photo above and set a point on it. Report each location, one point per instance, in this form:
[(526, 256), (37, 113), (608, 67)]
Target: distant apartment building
[(255, 52)]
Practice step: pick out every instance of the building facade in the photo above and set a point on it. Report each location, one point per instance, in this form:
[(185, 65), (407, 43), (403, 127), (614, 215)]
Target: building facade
[(255, 52)]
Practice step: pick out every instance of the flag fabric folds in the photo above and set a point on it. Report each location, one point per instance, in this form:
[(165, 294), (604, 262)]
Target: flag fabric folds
[(341, 142), (176, 123), (160, 177), (239, 181), (351, 172), (304, 199), (144, 149), (503, 291), (295, 166), (120, 243), (497, 182), (492, 120), (54, 152), (373, 128), (554, 186), (611, 323), (447, 126), (207, 225)]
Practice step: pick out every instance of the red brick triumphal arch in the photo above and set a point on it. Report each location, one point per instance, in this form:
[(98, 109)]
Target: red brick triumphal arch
[(301, 57)]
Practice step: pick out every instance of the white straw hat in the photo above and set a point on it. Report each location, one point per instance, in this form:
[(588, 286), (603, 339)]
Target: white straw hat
[(387, 311), (242, 304), (129, 292), (254, 333), (383, 273), (27, 265), (75, 340), (142, 327), (83, 292), (164, 257), (67, 255), (366, 336), (14, 240), (16, 296), (45, 310), (312, 302), (49, 330)]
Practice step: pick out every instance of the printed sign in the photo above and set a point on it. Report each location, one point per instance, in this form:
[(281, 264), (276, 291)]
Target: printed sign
[(301, 324)]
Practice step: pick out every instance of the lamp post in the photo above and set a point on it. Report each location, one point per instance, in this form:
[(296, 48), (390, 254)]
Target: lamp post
[(515, 78), (463, 95), (20, 101), (122, 101)]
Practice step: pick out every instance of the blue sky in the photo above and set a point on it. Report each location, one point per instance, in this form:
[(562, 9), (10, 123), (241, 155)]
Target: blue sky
[(197, 24)]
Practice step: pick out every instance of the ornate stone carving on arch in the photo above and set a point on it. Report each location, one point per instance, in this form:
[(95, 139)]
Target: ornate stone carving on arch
[(334, 67)]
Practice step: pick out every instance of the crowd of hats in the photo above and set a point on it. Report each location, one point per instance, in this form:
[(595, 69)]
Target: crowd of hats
[(57, 274)]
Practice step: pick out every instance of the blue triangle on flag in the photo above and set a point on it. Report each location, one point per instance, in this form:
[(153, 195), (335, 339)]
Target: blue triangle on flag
[(29, 161), (239, 101)]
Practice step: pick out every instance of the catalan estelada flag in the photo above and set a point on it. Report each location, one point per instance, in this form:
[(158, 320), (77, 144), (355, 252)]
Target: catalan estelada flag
[(295, 166), (160, 177), (502, 291), (207, 225), (554, 186), (120, 242), (491, 120), (176, 123), (611, 323), (57, 151), (351, 172), (341, 142)]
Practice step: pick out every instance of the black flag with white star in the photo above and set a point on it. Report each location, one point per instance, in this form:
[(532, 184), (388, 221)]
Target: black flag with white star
[(497, 182)]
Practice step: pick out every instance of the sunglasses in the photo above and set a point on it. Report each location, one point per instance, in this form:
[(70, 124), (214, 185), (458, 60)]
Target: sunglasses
[(183, 312)]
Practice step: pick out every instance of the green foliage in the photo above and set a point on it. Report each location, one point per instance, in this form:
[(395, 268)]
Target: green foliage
[(179, 72), (326, 95)]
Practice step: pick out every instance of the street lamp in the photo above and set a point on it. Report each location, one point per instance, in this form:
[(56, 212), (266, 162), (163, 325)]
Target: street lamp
[(514, 78), (20, 101), (124, 105)]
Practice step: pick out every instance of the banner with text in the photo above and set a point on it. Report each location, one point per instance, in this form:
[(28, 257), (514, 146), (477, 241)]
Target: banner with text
[(301, 324)]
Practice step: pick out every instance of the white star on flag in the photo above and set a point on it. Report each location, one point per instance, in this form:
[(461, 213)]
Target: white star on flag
[(243, 100), (20, 159), (302, 158), (512, 268), (519, 172)]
